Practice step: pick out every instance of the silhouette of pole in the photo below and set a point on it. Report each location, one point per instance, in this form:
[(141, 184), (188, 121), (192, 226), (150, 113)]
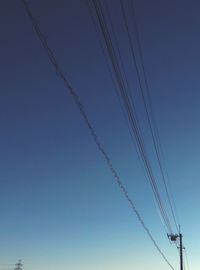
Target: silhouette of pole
[(173, 238), (181, 251)]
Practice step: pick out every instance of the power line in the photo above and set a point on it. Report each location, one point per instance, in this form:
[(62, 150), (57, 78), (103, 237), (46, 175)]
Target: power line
[(150, 117), (130, 108), (149, 113), (115, 86), (77, 101), (147, 103)]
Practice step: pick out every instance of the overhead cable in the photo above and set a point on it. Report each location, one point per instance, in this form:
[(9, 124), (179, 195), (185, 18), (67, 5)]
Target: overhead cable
[(147, 99), (80, 106), (129, 106)]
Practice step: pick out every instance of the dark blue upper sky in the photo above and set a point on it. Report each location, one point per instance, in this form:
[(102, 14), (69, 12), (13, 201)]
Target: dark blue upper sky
[(59, 204)]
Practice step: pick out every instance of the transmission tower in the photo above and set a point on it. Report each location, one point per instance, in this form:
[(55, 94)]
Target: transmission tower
[(19, 265)]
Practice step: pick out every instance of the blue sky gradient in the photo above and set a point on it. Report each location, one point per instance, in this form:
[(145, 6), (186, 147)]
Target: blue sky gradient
[(60, 207)]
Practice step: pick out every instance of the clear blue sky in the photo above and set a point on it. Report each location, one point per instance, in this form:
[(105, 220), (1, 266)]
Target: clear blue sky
[(60, 207)]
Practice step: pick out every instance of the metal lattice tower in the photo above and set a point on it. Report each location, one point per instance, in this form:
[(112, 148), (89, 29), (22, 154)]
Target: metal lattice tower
[(19, 265)]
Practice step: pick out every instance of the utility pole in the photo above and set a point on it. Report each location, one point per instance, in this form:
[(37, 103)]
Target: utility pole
[(173, 238), (181, 251), (19, 265)]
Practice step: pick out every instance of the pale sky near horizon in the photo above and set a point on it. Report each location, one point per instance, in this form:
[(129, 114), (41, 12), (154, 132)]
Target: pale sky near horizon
[(60, 206)]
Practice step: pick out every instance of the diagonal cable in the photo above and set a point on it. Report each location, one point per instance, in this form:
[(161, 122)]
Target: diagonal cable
[(129, 106), (80, 106), (147, 101)]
